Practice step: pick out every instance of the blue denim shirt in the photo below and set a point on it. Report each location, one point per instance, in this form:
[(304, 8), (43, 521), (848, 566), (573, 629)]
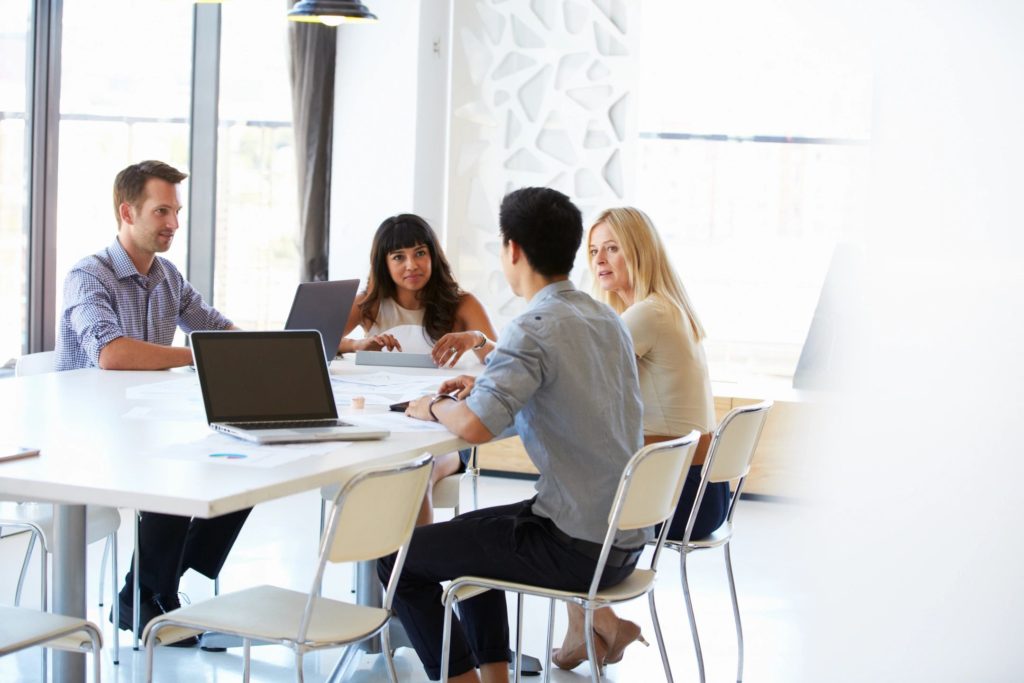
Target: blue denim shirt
[(564, 374), (105, 297)]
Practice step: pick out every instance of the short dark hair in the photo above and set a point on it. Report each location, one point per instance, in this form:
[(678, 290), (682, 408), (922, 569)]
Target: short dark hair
[(440, 296), (546, 224), (130, 184)]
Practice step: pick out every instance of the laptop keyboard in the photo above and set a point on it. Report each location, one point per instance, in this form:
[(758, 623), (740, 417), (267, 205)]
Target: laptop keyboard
[(290, 424)]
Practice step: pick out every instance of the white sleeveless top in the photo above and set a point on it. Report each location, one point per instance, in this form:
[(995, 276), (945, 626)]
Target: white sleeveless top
[(406, 325)]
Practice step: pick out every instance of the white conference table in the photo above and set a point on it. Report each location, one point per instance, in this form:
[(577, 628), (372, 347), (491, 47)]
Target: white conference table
[(100, 447)]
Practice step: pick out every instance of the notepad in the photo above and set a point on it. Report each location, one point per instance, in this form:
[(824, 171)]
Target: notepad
[(395, 358), (16, 452)]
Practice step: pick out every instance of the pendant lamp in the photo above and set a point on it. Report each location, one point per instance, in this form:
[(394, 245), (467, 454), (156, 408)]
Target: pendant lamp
[(330, 12)]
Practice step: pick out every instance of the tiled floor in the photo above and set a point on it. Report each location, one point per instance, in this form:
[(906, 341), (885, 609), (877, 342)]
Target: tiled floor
[(278, 545)]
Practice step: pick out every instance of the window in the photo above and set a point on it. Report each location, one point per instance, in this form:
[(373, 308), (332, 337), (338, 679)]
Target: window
[(752, 161), (257, 234), (115, 111), (15, 19)]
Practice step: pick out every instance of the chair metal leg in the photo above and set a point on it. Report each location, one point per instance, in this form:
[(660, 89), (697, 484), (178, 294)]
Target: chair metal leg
[(690, 615), (389, 660), (150, 647), (299, 674), (474, 470), (44, 576), (735, 614), (95, 639), (103, 569), (216, 585), (343, 663), (660, 636), (518, 664), (446, 638), (246, 663), (136, 593), (547, 642), (588, 634), (116, 608), (24, 564)]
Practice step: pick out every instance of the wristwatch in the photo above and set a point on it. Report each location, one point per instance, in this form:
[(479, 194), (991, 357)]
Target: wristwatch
[(440, 397), (483, 341)]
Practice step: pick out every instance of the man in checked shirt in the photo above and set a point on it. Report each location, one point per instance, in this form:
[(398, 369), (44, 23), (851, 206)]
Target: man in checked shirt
[(121, 308)]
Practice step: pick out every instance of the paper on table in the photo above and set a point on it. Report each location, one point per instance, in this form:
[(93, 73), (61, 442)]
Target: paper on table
[(186, 388), (228, 451), (383, 388), (395, 422), (190, 412)]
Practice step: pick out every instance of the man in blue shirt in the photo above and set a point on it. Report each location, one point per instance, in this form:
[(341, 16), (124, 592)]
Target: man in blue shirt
[(563, 375), (121, 308)]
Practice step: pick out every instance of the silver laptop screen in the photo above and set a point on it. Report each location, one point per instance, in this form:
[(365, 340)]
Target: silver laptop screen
[(254, 376)]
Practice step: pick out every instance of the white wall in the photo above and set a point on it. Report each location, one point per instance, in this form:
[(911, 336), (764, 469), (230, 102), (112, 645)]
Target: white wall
[(390, 99)]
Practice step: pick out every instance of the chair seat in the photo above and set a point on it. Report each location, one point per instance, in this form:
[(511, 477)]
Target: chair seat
[(272, 614), (718, 537), (21, 627), (638, 583), (446, 491), (100, 521)]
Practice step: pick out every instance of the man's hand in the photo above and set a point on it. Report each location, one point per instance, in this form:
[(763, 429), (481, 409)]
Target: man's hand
[(420, 408), (463, 384)]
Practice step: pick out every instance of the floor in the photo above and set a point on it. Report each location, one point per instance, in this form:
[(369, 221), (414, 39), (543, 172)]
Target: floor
[(270, 550)]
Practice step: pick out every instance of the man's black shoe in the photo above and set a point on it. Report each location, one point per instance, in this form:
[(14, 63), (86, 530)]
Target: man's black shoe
[(150, 608)]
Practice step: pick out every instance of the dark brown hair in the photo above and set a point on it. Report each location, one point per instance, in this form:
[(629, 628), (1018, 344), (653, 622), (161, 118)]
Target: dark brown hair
[(130, 184), (440, 296)]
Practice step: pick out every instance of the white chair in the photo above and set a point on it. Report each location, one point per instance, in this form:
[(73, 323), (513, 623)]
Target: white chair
[(372, 515), (35, 363), (22, 628), (728, 459), (446, 493), (37, 518), (647, 495)]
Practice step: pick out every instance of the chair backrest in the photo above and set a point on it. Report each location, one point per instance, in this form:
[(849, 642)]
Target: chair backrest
[(35, 363), (375, 512), (735, 440), (373, 515), (651, 483), (648, 492)]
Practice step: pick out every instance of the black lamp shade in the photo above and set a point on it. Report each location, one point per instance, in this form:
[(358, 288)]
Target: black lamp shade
[(330, 12)]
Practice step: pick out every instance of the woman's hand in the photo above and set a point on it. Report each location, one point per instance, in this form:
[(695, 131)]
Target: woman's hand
[(449, 348), (377, 342)]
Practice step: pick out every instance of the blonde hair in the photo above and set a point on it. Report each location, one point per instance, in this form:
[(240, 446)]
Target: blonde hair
[(651, 275)]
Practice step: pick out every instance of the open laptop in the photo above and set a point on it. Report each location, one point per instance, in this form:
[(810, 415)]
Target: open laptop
[(270, 387), (323, 306)]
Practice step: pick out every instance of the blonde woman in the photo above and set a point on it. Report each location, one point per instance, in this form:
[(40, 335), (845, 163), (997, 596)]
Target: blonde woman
[(633, 275)]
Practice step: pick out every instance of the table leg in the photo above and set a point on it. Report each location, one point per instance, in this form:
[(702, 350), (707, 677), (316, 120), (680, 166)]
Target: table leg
[(69, 583)]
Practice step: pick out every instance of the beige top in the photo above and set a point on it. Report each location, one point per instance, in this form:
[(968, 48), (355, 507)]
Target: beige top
[(674, 381)]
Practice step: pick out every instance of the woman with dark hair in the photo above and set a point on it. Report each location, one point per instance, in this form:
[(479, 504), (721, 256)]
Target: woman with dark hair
[(411, 284), (412, 302)]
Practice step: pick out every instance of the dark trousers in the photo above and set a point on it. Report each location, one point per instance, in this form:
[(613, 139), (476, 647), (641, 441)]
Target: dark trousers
[(169, 545), (713, 507), (507, 542)]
